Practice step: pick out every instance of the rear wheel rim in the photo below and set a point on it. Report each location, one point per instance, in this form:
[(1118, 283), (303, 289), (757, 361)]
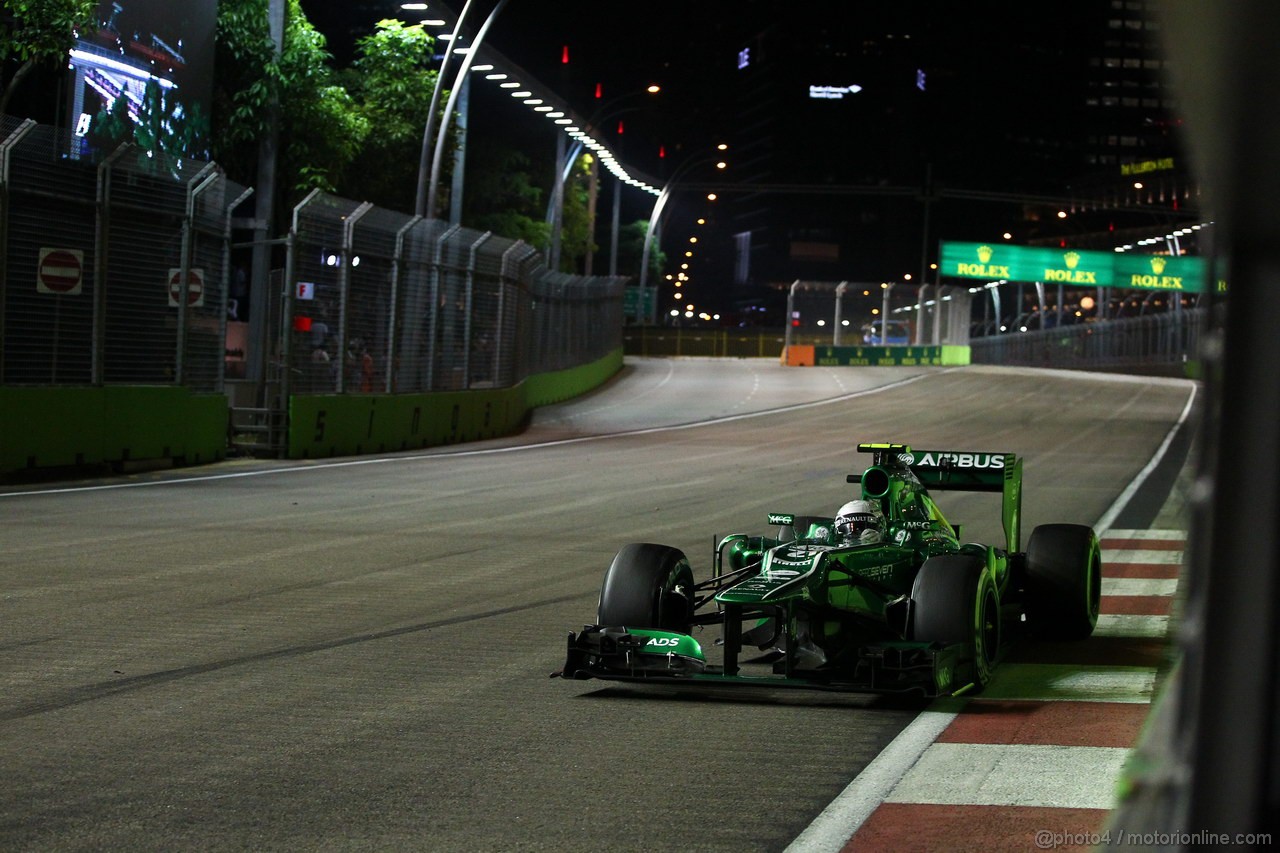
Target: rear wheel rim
[(988, 629)]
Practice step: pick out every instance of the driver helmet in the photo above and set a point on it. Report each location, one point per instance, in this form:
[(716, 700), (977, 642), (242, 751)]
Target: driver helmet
[(859, 523)]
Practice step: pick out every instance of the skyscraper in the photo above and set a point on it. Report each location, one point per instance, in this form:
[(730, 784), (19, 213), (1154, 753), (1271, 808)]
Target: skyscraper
[(876, 131)]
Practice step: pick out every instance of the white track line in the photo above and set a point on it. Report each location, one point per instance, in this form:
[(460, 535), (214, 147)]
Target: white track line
[(832, 829), (1116, 508)]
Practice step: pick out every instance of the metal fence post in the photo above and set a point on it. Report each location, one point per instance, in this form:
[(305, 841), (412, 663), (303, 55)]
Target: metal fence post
[(469, 302), (6, 148), (919, 336), (344, 290), (226, 276), (198, 184), (791, 301), (397, 263), (101, 252), (835, 333), (278, 432), (937, 314), (437, 261), (286, 312), (500, 342)]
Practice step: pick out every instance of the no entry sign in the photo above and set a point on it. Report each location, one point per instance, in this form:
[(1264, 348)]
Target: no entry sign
[(60, 271), (195, 287)]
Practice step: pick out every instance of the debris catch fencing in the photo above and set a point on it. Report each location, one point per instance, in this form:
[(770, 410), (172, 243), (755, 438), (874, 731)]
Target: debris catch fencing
[(1167, 342), (851, 313), (386, 302), (112, 267)]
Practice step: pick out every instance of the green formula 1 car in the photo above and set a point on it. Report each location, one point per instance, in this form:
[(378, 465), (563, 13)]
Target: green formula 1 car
[(884, 597)]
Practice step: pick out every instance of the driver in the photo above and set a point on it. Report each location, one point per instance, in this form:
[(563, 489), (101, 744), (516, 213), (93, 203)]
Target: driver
[(859, 523)]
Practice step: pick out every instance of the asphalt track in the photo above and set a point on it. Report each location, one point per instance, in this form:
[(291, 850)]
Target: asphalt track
[(353, 655)]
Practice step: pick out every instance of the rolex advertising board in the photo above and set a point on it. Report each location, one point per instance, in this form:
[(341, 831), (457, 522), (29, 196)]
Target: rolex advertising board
[(1080, 267)]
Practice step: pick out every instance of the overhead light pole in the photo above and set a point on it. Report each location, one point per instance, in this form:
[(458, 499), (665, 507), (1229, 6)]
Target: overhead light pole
[(659, 206), (522, 87), (420, 202), (260, 295), (604, 113), (438, 154)]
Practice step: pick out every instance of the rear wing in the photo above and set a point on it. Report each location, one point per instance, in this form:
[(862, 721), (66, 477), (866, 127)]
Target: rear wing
[(963, 470)]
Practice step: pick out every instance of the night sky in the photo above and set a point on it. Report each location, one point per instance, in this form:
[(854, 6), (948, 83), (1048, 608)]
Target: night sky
[(683, 46), (689, 47)]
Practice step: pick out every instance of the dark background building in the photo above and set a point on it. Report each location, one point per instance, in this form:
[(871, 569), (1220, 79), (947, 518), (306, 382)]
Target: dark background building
[(970, 122)]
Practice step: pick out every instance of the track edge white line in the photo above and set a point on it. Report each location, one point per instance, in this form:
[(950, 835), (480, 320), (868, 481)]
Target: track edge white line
[(831, 830)]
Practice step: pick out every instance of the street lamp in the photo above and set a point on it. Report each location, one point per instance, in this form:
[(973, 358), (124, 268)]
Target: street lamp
[(607, 112), (467, 61), (884, 311), (659, 205), (508, 77), (420, 202), (533, 95)]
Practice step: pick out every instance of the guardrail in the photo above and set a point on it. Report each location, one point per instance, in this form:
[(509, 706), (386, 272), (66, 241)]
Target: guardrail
[(677, 341), (1166, 343)]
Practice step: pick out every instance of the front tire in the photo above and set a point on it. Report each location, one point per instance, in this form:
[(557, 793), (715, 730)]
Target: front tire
[(1064, 581), (647, 586), (954, 600)]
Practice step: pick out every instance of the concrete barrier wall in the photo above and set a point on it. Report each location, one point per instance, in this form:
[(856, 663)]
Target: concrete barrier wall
[(324, 425), (43, 428), (544, 389), (77, 426), (874, 356)]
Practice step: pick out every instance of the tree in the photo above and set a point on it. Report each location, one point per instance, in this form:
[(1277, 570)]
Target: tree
[(321, 129), (502, 197), (164, 132), (246, 74), (355, 132), (35, 32), (111, 127), (320, 125), (575, 224), (391, 84), (631, 249)]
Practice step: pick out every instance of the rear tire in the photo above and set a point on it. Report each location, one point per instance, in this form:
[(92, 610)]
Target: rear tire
[(954, 600), (647, 586), (1064, 581)]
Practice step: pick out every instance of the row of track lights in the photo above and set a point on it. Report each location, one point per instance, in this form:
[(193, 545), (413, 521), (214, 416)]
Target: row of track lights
[(531, 94), (1172, 235), (571, 125)]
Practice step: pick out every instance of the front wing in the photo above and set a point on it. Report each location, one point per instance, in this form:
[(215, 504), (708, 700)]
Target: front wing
[(658, 657)]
